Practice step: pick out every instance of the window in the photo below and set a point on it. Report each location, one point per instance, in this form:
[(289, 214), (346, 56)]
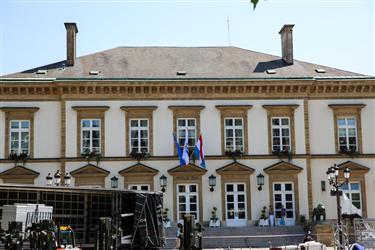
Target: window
[(353, 192), (280, 134), (347, 127), (90, 129), (234, 134), (347, 134), (19, 130), (19, 136), (184, 124), (186, 117), (139, 135), (142, 187), (187, 200), (138, 127)]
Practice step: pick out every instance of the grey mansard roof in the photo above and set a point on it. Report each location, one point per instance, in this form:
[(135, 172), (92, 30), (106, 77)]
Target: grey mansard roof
[(165, 62)]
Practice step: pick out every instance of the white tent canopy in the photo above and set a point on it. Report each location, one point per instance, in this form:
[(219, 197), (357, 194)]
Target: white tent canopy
[(347, 206)]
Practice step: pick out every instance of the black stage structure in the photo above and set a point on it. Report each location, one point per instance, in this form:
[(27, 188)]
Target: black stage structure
[(138, 214)]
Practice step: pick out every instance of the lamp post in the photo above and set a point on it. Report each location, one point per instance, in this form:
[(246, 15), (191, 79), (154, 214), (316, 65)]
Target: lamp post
[(163, 182), (212, 182), (333, 178), (260, 181)]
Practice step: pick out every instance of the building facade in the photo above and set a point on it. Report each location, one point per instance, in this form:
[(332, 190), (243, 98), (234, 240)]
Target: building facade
[(257, 114)]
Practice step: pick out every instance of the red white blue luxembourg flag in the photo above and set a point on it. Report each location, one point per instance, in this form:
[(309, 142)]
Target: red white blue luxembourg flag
[(199, 153)]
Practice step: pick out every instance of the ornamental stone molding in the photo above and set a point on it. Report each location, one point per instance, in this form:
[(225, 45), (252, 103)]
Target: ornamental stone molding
[(60, 89)]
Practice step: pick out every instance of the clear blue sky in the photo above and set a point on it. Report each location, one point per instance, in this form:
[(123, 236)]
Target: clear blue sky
[(339, 34)]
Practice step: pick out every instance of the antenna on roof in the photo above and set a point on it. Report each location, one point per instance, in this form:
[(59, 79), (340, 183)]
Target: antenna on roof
[(229, 41)]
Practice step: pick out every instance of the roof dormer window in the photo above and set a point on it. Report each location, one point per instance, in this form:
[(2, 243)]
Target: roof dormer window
[(320, 71), (41, 72), (271, 71)]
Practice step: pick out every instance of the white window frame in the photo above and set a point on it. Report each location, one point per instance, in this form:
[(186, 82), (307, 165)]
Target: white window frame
[(280, 127), (19, 130), (181, 139), (91, 129), (139, 187), (187, 203), (139, 129), (283, 192), (355, 191), (235, 201), (233, 128), (347, 127)]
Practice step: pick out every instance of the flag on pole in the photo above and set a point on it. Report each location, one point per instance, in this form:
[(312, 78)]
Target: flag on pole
[(199, 153), (179, 151), (185, 153)]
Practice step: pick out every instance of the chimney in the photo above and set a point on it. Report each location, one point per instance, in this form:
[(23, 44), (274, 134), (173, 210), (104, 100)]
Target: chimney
[(71, 31), (286, 33)]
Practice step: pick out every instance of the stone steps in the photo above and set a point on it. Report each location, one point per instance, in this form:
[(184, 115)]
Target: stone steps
[(244, 237)]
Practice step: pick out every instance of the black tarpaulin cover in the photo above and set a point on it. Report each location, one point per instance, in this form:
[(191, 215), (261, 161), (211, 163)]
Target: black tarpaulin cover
[(148, 221)]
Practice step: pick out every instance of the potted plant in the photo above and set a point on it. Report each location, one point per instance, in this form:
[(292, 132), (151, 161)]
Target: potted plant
[(283, 153), (166, 220), (139, 155), (263, 221), (19, 157), (351, 152), (214, 221), (234, 154), (90, 155)]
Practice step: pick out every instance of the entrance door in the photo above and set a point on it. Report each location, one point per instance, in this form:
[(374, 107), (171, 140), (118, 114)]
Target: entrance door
[(283, 196), (235, 202), (187, 201)]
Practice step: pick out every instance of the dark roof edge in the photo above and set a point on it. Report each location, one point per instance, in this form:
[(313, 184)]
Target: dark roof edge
[(189, 79)]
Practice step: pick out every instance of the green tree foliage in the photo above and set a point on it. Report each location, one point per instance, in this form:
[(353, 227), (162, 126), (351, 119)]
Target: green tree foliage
[(254, 2)]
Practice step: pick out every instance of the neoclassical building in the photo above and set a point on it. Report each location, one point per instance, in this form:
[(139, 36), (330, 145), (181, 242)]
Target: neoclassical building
[(258, 114)]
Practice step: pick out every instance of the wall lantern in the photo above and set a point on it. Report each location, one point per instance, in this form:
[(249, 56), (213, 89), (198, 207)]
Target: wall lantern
[(49, 179), (57, 177), (212, 182), (114, 182), (346, 174), (163, 182), (67, 179), (260, 181)]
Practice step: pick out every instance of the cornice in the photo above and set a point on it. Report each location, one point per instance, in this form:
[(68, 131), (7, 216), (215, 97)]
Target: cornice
[(346, 106), (90, 108), (19, 109), (188, 107), (131, 108), (281, 106), (207, 157), (188, 90)]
